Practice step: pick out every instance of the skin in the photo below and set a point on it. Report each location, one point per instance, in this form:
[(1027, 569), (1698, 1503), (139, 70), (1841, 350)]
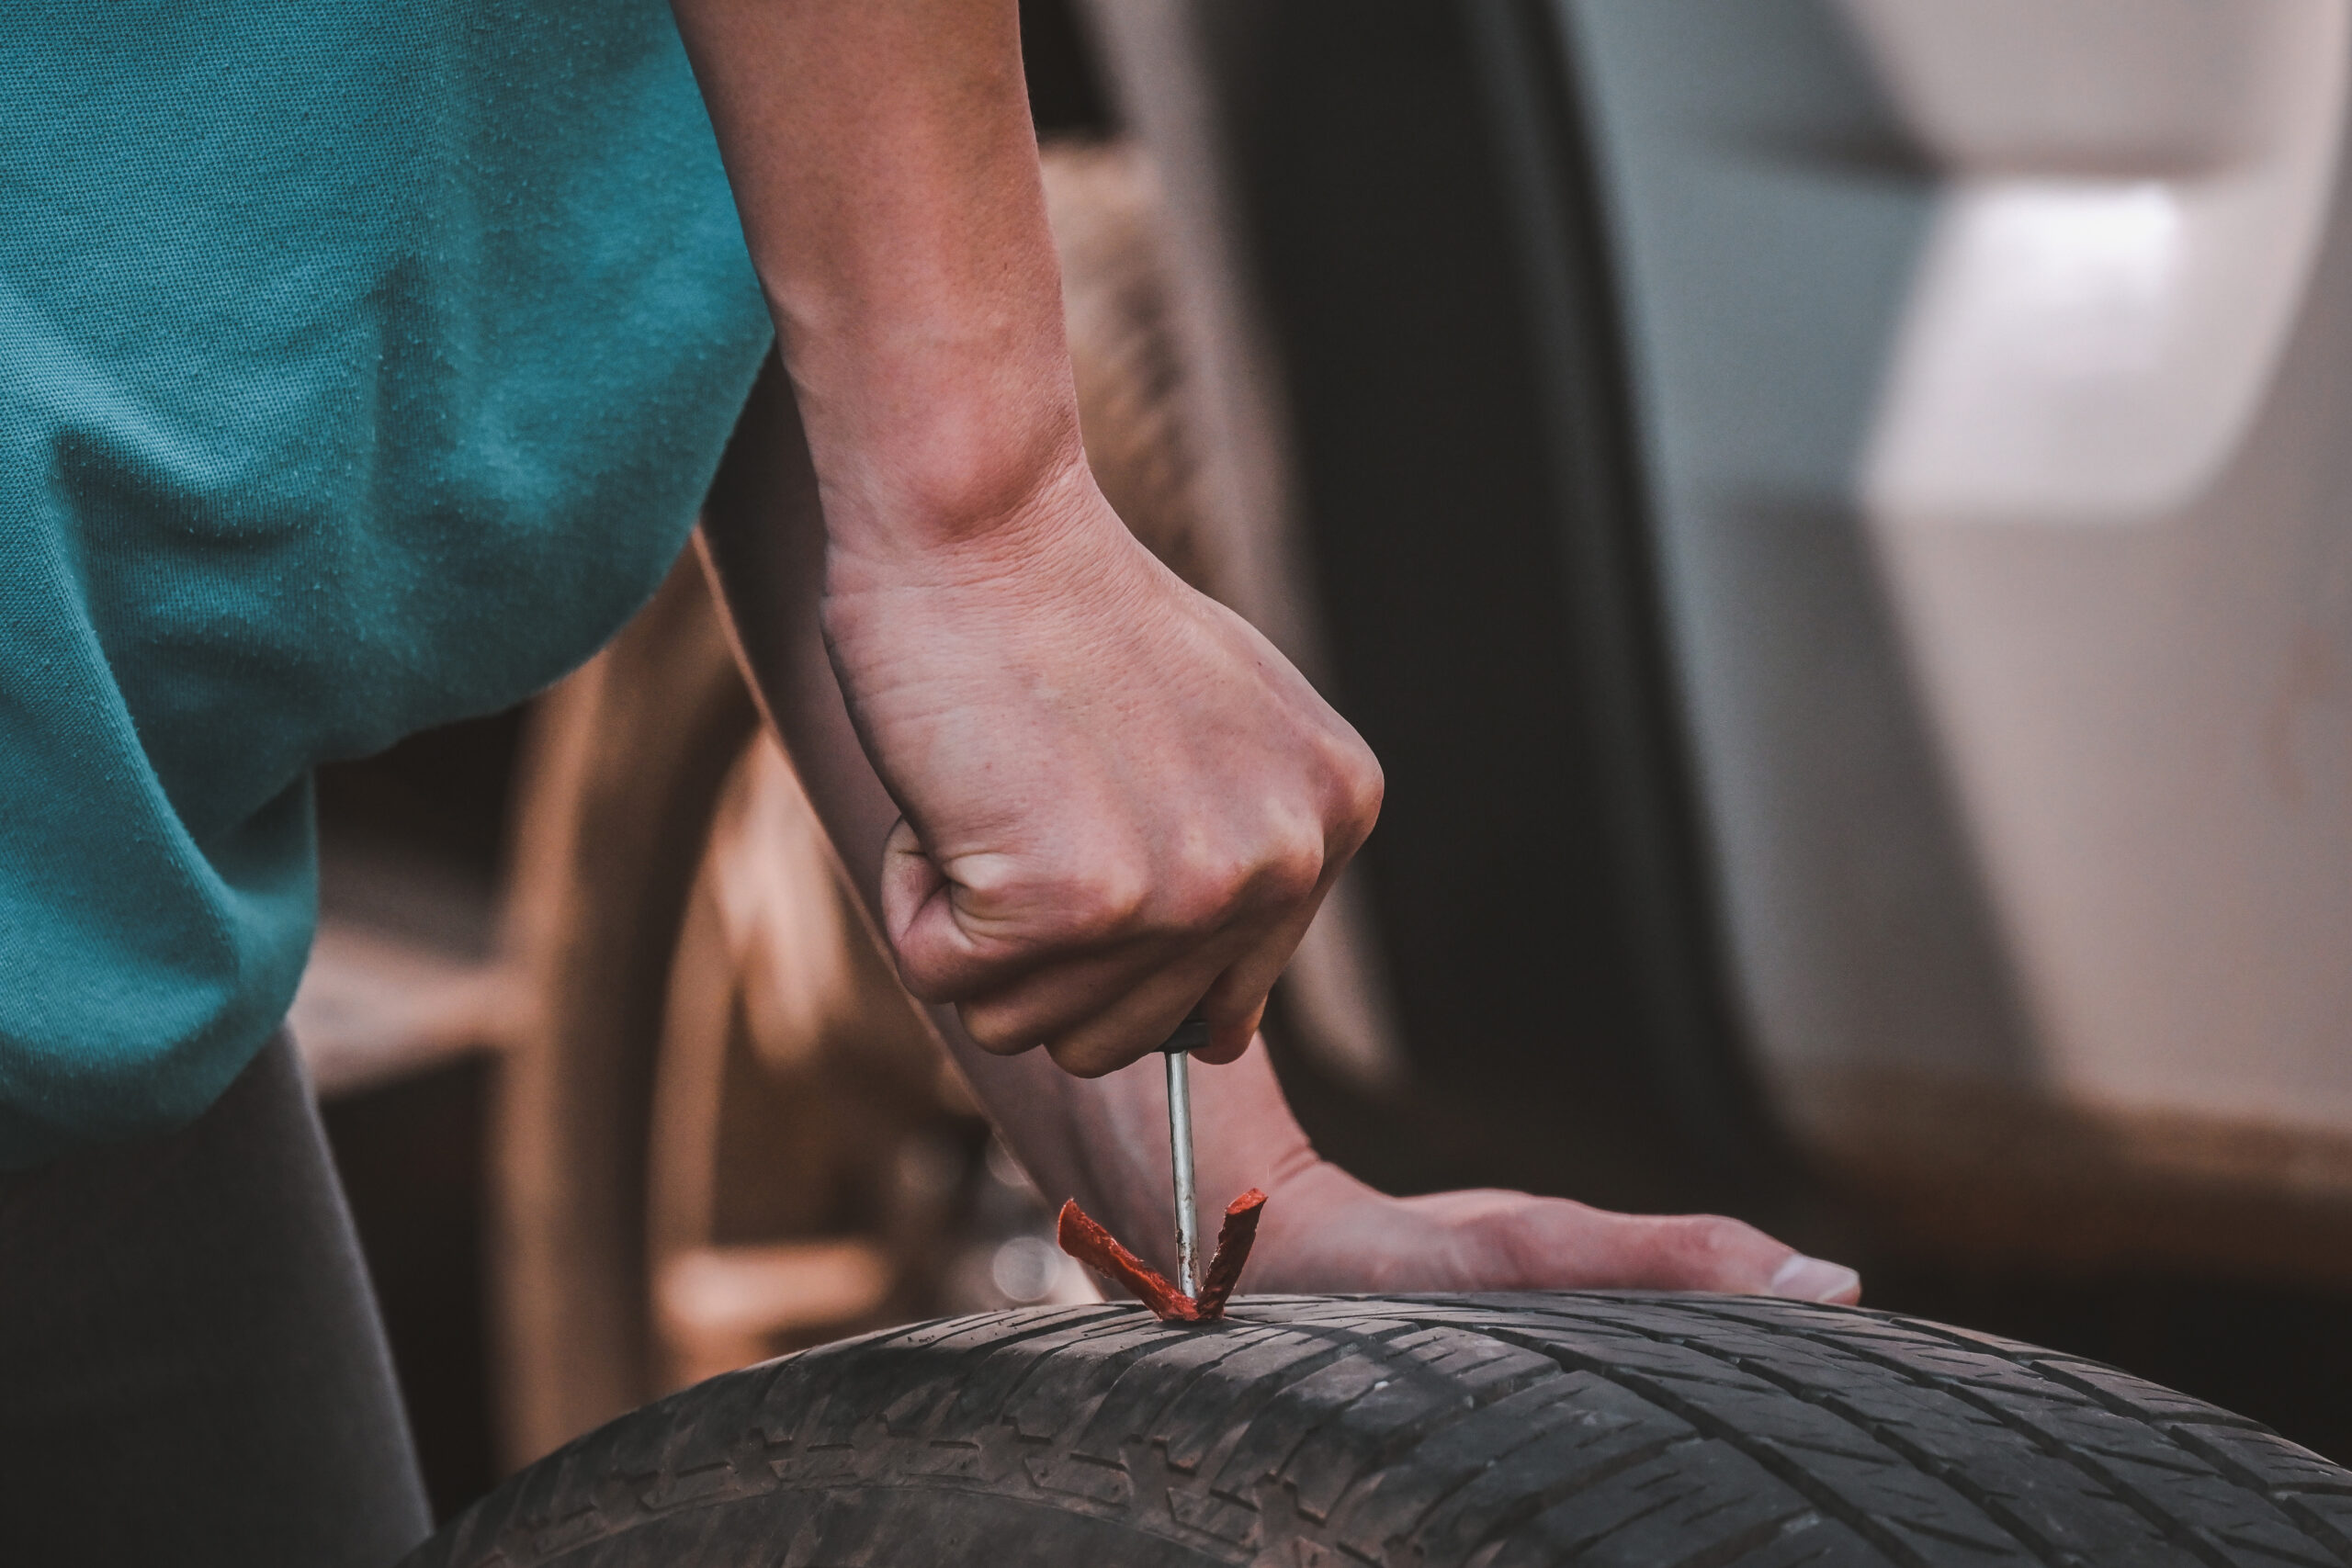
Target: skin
[(1079, 796)]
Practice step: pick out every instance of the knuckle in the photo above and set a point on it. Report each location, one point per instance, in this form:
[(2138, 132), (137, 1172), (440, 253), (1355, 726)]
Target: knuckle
[(1281, 872), (1509, 1250), (1705, 1242), (1362, 787), (1296, 870), (1203, 887), (1104, 899), (1286, 871)]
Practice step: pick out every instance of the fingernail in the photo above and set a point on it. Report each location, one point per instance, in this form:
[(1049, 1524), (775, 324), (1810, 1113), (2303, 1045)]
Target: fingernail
[(1803, 1279)]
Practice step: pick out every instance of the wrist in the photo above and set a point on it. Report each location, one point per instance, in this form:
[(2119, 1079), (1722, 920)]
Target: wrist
[(926, 437), (940, 523)]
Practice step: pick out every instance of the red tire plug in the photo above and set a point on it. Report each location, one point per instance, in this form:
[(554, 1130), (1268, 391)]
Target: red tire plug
[(1235, 1237), (1100, 1251)]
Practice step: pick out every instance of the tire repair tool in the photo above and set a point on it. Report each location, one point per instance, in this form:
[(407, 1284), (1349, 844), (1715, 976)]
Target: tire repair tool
[(1190, 1036), (1091, 1244)]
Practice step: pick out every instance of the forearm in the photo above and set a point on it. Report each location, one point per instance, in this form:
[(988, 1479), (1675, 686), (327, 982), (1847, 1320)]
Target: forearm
[(886, 172)]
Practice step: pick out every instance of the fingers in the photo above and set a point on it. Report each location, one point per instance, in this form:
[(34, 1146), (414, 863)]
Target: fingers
[(1707, 1252), (1134, 1016), (975, 932), (1095, 1016), (1512, 1241), (1099, 964), (1803, 1279), (1236, 1004)]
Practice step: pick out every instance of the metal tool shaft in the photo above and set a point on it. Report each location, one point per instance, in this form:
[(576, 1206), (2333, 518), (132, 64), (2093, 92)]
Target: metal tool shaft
[(1190, 1036), (1179, 1149)]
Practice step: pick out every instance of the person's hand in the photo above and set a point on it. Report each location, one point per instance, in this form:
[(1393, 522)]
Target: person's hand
[(1326, 1231), (1118, 800)]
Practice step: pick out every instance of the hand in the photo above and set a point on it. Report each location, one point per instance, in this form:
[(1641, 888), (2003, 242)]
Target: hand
[(1325, 1230), (1119, 801)]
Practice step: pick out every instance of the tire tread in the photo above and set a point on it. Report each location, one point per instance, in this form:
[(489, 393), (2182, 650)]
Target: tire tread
[(1415, 1432)]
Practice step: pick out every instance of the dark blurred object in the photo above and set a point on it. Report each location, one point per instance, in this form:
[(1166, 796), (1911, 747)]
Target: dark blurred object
[(396, 1020), (410, 1152), (441, 795), (1065, 92)]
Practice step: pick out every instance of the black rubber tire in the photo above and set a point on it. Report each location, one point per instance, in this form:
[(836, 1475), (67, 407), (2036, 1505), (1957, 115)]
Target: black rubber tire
[(1486, 1431)]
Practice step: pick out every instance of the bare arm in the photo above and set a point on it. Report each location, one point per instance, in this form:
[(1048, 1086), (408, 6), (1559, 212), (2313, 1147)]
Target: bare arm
[(1115, 800), (886, 173)]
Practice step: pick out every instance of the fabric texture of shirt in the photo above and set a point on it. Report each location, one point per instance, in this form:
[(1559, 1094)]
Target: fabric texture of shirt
[(362, 364)]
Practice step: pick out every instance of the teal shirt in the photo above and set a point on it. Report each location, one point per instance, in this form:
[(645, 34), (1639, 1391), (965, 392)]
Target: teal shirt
[(362, 364)]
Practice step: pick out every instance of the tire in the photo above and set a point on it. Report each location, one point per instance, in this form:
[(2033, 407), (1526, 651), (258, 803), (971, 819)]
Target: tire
[(1484, 1431)]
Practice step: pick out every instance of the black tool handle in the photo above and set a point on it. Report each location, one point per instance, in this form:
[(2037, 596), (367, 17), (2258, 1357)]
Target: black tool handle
[(1190, 1036)]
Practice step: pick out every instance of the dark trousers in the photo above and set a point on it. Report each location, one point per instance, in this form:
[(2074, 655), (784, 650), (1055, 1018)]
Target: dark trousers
[(191, 1367)]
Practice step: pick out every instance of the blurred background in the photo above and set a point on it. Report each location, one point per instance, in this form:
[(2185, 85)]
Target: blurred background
[(1832, 515)]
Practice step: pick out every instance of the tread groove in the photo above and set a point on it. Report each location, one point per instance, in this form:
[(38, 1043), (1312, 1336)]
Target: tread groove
[(1502, 1526), (2046, 1551), (1764, 1455), (2288, 1499), (2179, 1532)]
